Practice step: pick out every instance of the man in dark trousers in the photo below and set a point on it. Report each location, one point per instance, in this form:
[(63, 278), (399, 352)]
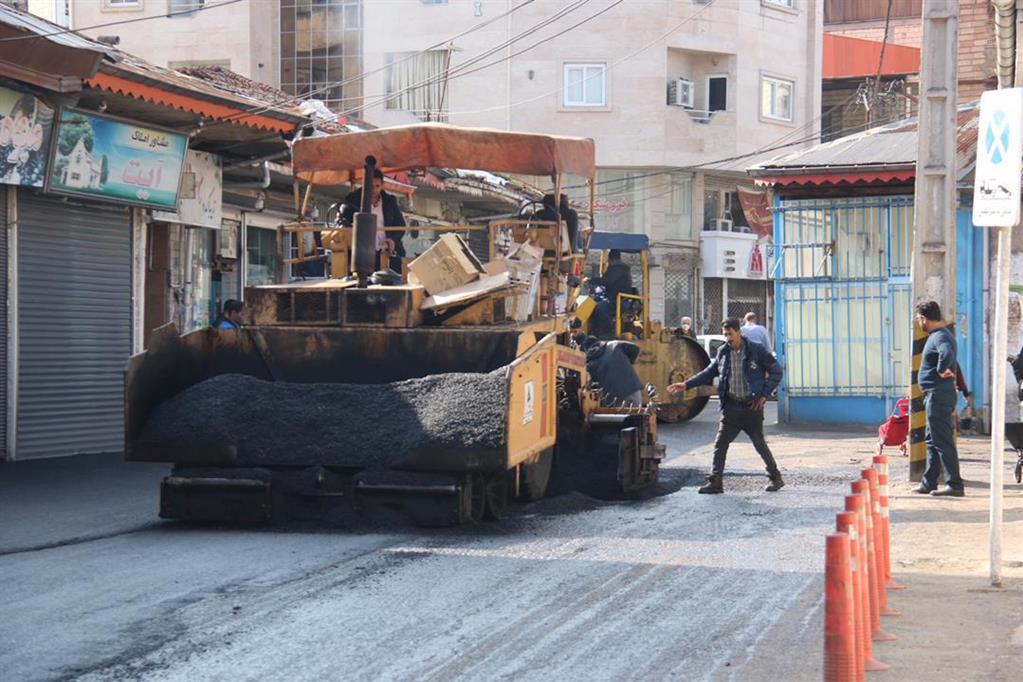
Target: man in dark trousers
[(747, 374), (937, 379), (385, 206)]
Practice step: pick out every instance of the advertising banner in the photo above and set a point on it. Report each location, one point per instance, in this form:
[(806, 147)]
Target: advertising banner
[(104, 158)]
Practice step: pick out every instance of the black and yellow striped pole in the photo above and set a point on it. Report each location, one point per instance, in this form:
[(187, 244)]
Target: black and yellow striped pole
[(917, 415)]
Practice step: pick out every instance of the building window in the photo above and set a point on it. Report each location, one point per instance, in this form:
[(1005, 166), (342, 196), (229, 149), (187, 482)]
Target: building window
[(717, 93), (776, 98), (263, 260), (321, 51), (585, 85), (417, 82), (791, 4), (679, 218), (123, 4)]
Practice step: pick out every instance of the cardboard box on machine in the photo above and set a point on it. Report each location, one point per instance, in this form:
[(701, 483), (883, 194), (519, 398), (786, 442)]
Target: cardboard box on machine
[(447, 264)]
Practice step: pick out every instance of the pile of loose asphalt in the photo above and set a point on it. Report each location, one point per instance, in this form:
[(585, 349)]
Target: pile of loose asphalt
[(350, 425)]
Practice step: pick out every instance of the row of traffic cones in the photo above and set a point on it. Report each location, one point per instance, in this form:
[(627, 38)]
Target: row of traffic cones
[(857, 577)]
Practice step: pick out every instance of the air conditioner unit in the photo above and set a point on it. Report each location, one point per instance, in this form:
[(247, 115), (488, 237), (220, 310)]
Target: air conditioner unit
[(680, 93), (723, 225)]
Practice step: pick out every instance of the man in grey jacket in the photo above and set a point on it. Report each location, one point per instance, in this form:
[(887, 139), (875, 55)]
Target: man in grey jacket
[(937, 379)]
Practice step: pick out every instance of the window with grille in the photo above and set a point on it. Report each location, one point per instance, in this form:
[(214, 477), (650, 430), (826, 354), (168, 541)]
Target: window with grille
[(321, 52)]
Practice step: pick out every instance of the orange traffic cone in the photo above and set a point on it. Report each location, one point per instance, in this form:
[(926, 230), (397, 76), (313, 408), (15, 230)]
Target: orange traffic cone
[(883, 481), (873, 585), (839, 616), (857, 504), (845, 522), (870, 475)]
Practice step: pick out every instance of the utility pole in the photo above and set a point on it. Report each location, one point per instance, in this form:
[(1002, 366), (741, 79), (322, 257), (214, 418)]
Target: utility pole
[(934, 216)]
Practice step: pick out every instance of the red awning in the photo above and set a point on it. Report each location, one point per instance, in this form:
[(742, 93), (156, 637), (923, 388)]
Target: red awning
[(848, 178), (846, 57), (183, 102)]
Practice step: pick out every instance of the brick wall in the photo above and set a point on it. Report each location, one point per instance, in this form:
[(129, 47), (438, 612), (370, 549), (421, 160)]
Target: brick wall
[(976, 42)]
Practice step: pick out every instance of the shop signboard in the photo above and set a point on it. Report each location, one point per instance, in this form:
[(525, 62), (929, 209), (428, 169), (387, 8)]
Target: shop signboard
[(200, 201), (101, 157), (26, 126)]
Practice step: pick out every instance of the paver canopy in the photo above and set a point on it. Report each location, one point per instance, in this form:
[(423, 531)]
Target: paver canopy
[(335, 159)]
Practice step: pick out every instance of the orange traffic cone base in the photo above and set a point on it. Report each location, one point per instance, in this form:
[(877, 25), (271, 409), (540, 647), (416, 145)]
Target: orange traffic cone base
[(875, 666), (892, 585), (888, 611), (882, 636)]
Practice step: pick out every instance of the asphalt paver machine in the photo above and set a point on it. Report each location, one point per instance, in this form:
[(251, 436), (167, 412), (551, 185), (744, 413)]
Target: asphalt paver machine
[(441, 455)]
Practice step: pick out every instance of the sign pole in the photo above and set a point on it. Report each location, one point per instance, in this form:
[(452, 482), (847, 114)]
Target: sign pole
[(998, 362), (996, 204)]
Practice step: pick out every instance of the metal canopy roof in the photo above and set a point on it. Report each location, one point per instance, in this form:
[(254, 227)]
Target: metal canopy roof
[(623, 241), (332, 159)]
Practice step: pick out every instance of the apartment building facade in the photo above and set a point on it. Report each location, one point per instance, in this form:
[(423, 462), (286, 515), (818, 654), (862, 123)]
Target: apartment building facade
[(676, 94)]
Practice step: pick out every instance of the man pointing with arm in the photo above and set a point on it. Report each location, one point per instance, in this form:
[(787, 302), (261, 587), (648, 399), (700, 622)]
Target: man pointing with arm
[(747, 374)]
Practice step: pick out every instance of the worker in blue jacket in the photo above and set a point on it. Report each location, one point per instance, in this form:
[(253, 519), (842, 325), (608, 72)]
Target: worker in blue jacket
[(747, 375), (230, 315), (937, 379)]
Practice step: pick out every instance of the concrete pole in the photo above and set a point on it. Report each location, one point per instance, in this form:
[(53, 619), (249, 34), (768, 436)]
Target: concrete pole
[(998, 352), (934, 218)]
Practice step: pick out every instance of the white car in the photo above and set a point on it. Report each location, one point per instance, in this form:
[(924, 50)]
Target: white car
[(711, 343)]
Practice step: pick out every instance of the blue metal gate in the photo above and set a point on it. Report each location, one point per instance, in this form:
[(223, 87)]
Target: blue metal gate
[(842, 306)]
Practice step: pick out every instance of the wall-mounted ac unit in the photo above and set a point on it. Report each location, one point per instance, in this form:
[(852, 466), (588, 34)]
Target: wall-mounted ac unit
[(680, 93), (723, 225)]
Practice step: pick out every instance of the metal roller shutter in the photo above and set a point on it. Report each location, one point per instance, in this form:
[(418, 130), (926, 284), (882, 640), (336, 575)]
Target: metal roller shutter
[(3, 322), (74, 323)]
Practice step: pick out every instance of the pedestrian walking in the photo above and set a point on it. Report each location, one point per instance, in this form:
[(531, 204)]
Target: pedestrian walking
[(756, 332), (747, 375), (937, 379)]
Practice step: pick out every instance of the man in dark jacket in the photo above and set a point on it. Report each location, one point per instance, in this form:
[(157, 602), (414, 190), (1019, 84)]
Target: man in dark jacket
[(385, 206), (617, 279), (747, 375), (568, 215), (610, 364), (937, 379)]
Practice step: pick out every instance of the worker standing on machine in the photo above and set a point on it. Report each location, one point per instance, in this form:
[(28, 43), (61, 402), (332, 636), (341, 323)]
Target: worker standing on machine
[(617, 279), (385, 207), (610, 365)]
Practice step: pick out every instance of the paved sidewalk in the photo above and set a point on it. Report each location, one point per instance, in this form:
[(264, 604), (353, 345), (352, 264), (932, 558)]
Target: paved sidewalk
[(52, 502)]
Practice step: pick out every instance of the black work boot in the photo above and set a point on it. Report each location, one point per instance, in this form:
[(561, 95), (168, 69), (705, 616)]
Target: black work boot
[(776, 483), (713, 485)]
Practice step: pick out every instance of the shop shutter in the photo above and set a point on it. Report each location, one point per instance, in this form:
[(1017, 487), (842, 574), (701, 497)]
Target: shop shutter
[(3, 322), (74, 322)]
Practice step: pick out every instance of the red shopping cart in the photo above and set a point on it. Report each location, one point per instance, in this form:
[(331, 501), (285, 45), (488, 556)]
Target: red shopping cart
[(895, 429)]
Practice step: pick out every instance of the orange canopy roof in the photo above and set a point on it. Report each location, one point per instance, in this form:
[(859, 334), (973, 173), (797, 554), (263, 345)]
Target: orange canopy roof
[(846, 57), (331, 160)]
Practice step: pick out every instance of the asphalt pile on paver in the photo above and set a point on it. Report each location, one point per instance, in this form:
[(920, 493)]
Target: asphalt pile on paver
[(353, 425)]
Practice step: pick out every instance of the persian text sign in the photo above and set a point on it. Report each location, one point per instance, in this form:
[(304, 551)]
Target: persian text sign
[(996, 181), (200, 201), (103, 158)]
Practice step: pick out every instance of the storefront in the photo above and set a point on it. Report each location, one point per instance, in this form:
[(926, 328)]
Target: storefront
[(71, 263)]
